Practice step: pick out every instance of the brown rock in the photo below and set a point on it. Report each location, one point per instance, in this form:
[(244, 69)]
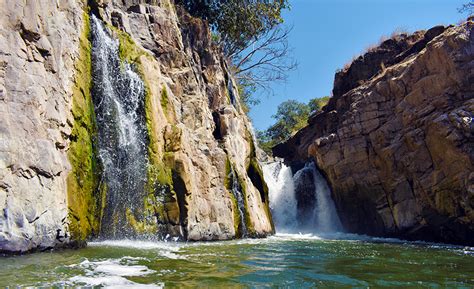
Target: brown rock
[(398, 149)]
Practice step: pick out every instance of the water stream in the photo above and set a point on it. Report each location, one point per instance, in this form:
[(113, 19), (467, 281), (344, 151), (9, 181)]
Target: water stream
[(281, 188), (284, 260), (118, 95), (237, 192)]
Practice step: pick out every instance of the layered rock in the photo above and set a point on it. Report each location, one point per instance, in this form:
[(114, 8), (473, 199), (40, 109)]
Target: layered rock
[(50, 193), (396, 139)]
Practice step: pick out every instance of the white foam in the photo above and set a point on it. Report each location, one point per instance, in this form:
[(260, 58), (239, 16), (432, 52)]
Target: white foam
[(137, 244), (164, 249), (111, 282), (112, 268), (111, 273)]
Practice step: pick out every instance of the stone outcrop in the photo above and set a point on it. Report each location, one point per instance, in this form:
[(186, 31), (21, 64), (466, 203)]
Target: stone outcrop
[(198, 132), (396, 139)]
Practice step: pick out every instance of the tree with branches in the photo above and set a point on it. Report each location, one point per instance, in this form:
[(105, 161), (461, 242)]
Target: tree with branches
[(252, 36), (467, 8)]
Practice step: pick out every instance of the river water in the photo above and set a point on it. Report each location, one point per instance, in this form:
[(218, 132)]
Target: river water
[(294, 259), (289, 260)]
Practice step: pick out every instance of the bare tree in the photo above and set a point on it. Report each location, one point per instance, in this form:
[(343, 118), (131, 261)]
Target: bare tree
[(264, 60), (467, 8)]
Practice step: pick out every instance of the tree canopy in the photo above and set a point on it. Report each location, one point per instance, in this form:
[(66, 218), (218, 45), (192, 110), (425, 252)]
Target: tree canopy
[(237, 22), (290, 117), (467, 8)]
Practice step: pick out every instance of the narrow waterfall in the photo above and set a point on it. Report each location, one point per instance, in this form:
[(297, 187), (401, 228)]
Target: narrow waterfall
[(237, 192), (118, 95), (300, 202)]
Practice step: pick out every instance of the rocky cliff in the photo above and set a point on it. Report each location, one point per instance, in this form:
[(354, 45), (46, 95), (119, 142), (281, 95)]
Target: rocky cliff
[(202, 158), (396, 139)]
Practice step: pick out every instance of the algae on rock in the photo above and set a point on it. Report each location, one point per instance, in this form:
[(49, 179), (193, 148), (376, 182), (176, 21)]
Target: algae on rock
[(85, 194)]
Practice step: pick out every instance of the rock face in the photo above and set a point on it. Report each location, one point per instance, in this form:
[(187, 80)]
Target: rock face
[(396, 139), (50, 194), (39, 43)]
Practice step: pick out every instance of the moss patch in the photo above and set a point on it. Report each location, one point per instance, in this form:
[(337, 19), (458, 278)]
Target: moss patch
[(231, 176), (248, 221), (164, 99), (255, 173), (166, 106), (85, 195)]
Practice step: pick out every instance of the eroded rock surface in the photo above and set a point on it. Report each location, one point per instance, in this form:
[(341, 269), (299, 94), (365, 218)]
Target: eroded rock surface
[(396, 139)]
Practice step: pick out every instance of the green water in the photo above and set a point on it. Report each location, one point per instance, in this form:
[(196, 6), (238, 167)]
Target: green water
[(279, 261)]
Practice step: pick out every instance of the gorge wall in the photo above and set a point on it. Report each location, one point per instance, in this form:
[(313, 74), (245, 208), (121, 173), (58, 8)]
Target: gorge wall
[(200, 146), (396, 139)]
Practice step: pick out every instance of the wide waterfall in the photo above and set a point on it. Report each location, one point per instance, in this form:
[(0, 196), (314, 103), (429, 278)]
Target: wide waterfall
[(118, 95), (300, 202)]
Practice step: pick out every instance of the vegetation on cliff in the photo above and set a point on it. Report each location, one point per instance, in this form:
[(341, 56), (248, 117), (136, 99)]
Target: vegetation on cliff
[(291, 116), (253, 38)]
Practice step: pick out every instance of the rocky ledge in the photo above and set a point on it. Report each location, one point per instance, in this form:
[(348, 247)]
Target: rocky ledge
[(396, 139)]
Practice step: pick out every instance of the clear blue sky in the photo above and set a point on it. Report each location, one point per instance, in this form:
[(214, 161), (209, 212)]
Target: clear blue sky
[(328, 33)]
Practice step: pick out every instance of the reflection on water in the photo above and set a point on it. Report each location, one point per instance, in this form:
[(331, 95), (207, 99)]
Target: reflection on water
[(288, 260)]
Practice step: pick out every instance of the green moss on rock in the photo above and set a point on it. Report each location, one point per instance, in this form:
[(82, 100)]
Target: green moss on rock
[(255, 173), (164, 99), (85, 195), (248, 220)]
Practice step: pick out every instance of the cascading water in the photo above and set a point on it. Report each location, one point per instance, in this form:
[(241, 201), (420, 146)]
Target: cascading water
[(237, 192), (301, 202), (118, 95), (279, 179), (324, 215)]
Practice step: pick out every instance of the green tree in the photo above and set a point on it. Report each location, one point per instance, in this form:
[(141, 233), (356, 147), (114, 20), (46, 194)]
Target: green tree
[(316, 104), (290, 117), (252, 36), (238, 22)]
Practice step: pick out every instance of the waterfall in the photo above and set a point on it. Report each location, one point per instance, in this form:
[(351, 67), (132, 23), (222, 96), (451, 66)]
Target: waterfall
[(279, 179), (237, 192), (301, 202), (118, 96), (324, 215)]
